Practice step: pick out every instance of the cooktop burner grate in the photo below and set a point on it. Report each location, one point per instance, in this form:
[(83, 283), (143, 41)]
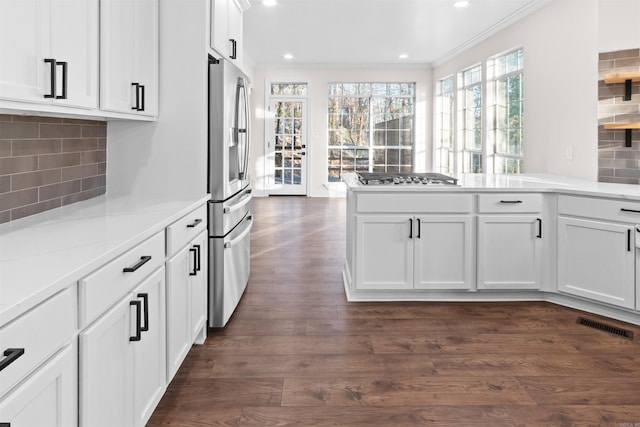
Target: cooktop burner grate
[(381, 178)]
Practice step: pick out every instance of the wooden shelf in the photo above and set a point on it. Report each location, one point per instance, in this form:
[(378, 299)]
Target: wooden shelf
[(627, 130), (621, 77), (622, 125)]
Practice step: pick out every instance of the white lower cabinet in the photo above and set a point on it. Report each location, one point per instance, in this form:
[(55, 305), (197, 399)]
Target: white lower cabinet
[(407, 252), (122, 359), (48, 398), (509, 251), (186, 301), (384, 252), (596, 260), (443, 252)]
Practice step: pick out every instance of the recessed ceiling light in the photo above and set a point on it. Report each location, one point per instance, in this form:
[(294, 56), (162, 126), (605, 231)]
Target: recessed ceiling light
[(461, 3), (288, 56), (269, 2), (403, 56)]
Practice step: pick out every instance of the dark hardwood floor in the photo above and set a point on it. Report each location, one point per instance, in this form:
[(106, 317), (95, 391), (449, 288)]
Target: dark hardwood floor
[(296, 353)]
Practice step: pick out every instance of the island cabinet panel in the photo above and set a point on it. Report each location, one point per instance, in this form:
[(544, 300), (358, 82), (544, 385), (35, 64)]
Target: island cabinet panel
[(509, 251), (596, 260), (413, 252), (384, 257), (414, 202), (443, 254), (510, 246)]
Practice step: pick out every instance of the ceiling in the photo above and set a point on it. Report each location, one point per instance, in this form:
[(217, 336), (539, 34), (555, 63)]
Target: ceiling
[(371, 32)]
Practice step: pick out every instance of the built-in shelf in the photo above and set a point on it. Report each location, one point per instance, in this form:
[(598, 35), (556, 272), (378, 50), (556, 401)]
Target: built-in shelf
[(621, 77), (627, 127), (622, 125), (626, 78)]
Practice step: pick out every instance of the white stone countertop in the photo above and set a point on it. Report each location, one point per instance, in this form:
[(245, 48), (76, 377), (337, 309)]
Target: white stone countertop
[(45, 253), (510, 183)]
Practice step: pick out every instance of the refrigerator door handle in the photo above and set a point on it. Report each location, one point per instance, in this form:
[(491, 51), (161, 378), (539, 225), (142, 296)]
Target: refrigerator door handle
[(243, 202), (247, 139), (241, 236), (242, 100)]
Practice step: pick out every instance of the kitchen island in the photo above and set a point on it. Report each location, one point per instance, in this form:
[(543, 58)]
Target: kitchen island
[(496, 238)]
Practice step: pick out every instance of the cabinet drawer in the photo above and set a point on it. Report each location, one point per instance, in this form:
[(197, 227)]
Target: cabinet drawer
[(509, 202), (183, 230), (105, 286), (613, 210), (40, 333), (414, 203)]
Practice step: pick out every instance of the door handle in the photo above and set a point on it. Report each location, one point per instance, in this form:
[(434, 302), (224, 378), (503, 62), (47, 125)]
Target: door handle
[(411, 228), (194, 223), (145, 311), (143, 260), (539, 236), (239, 205), (10, 356), (138, 306), (52, 62), (419, 227), (242, 235), (63, 64), (194, 251)]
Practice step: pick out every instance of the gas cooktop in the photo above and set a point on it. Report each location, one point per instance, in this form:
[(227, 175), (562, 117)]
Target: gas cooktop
[(381, 178)]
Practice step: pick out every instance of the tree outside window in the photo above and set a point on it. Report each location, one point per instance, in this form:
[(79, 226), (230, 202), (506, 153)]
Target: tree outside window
[(370, 128)]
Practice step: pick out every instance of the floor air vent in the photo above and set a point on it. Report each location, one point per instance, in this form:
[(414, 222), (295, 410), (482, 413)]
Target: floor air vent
[(606, 328)]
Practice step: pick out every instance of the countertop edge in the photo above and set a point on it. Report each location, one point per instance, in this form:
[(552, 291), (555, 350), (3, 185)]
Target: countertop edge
[(11, 311)]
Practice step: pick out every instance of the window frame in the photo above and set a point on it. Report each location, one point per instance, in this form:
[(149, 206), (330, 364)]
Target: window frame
[(336, 164), (487, 115)]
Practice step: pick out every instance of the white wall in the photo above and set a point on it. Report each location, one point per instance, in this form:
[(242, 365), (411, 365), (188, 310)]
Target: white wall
[(619, 25), (560, 44), (168, 156), (317, 79)]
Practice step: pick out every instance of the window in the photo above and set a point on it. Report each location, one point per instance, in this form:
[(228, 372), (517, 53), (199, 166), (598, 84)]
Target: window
[(444, 158), (470, 119), (289, 89), (487, 133), (371, 128), (505, 86)]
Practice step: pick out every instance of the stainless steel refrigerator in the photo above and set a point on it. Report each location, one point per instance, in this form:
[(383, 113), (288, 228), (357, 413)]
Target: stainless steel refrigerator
[(230, 218)]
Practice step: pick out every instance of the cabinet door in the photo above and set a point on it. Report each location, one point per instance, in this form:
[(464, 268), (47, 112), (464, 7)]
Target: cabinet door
[(384, 252), (117, 50), (74, 40), (178, 309), (235, 31), (596, 261), (145, 56), (443, 252), (198, 284), (23, 49), (220, 26), (150, 352), (48, 398), (106, 369), (509, 252)]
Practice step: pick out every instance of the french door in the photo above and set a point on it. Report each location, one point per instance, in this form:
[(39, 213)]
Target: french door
[(286, 150)]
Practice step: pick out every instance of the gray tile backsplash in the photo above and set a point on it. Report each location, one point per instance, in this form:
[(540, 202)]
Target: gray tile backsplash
[(617, 163), (48, 162)]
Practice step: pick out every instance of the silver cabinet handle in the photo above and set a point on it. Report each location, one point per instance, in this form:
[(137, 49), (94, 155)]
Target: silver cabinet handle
[(242, 235), (238, 205)]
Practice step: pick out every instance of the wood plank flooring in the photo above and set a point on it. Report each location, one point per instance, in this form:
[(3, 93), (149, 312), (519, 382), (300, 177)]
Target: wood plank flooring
[(296, 353)]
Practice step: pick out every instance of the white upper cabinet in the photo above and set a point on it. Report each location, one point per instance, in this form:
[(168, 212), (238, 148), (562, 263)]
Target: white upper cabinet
[(226, 27), (129, 56), (49, 52)]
